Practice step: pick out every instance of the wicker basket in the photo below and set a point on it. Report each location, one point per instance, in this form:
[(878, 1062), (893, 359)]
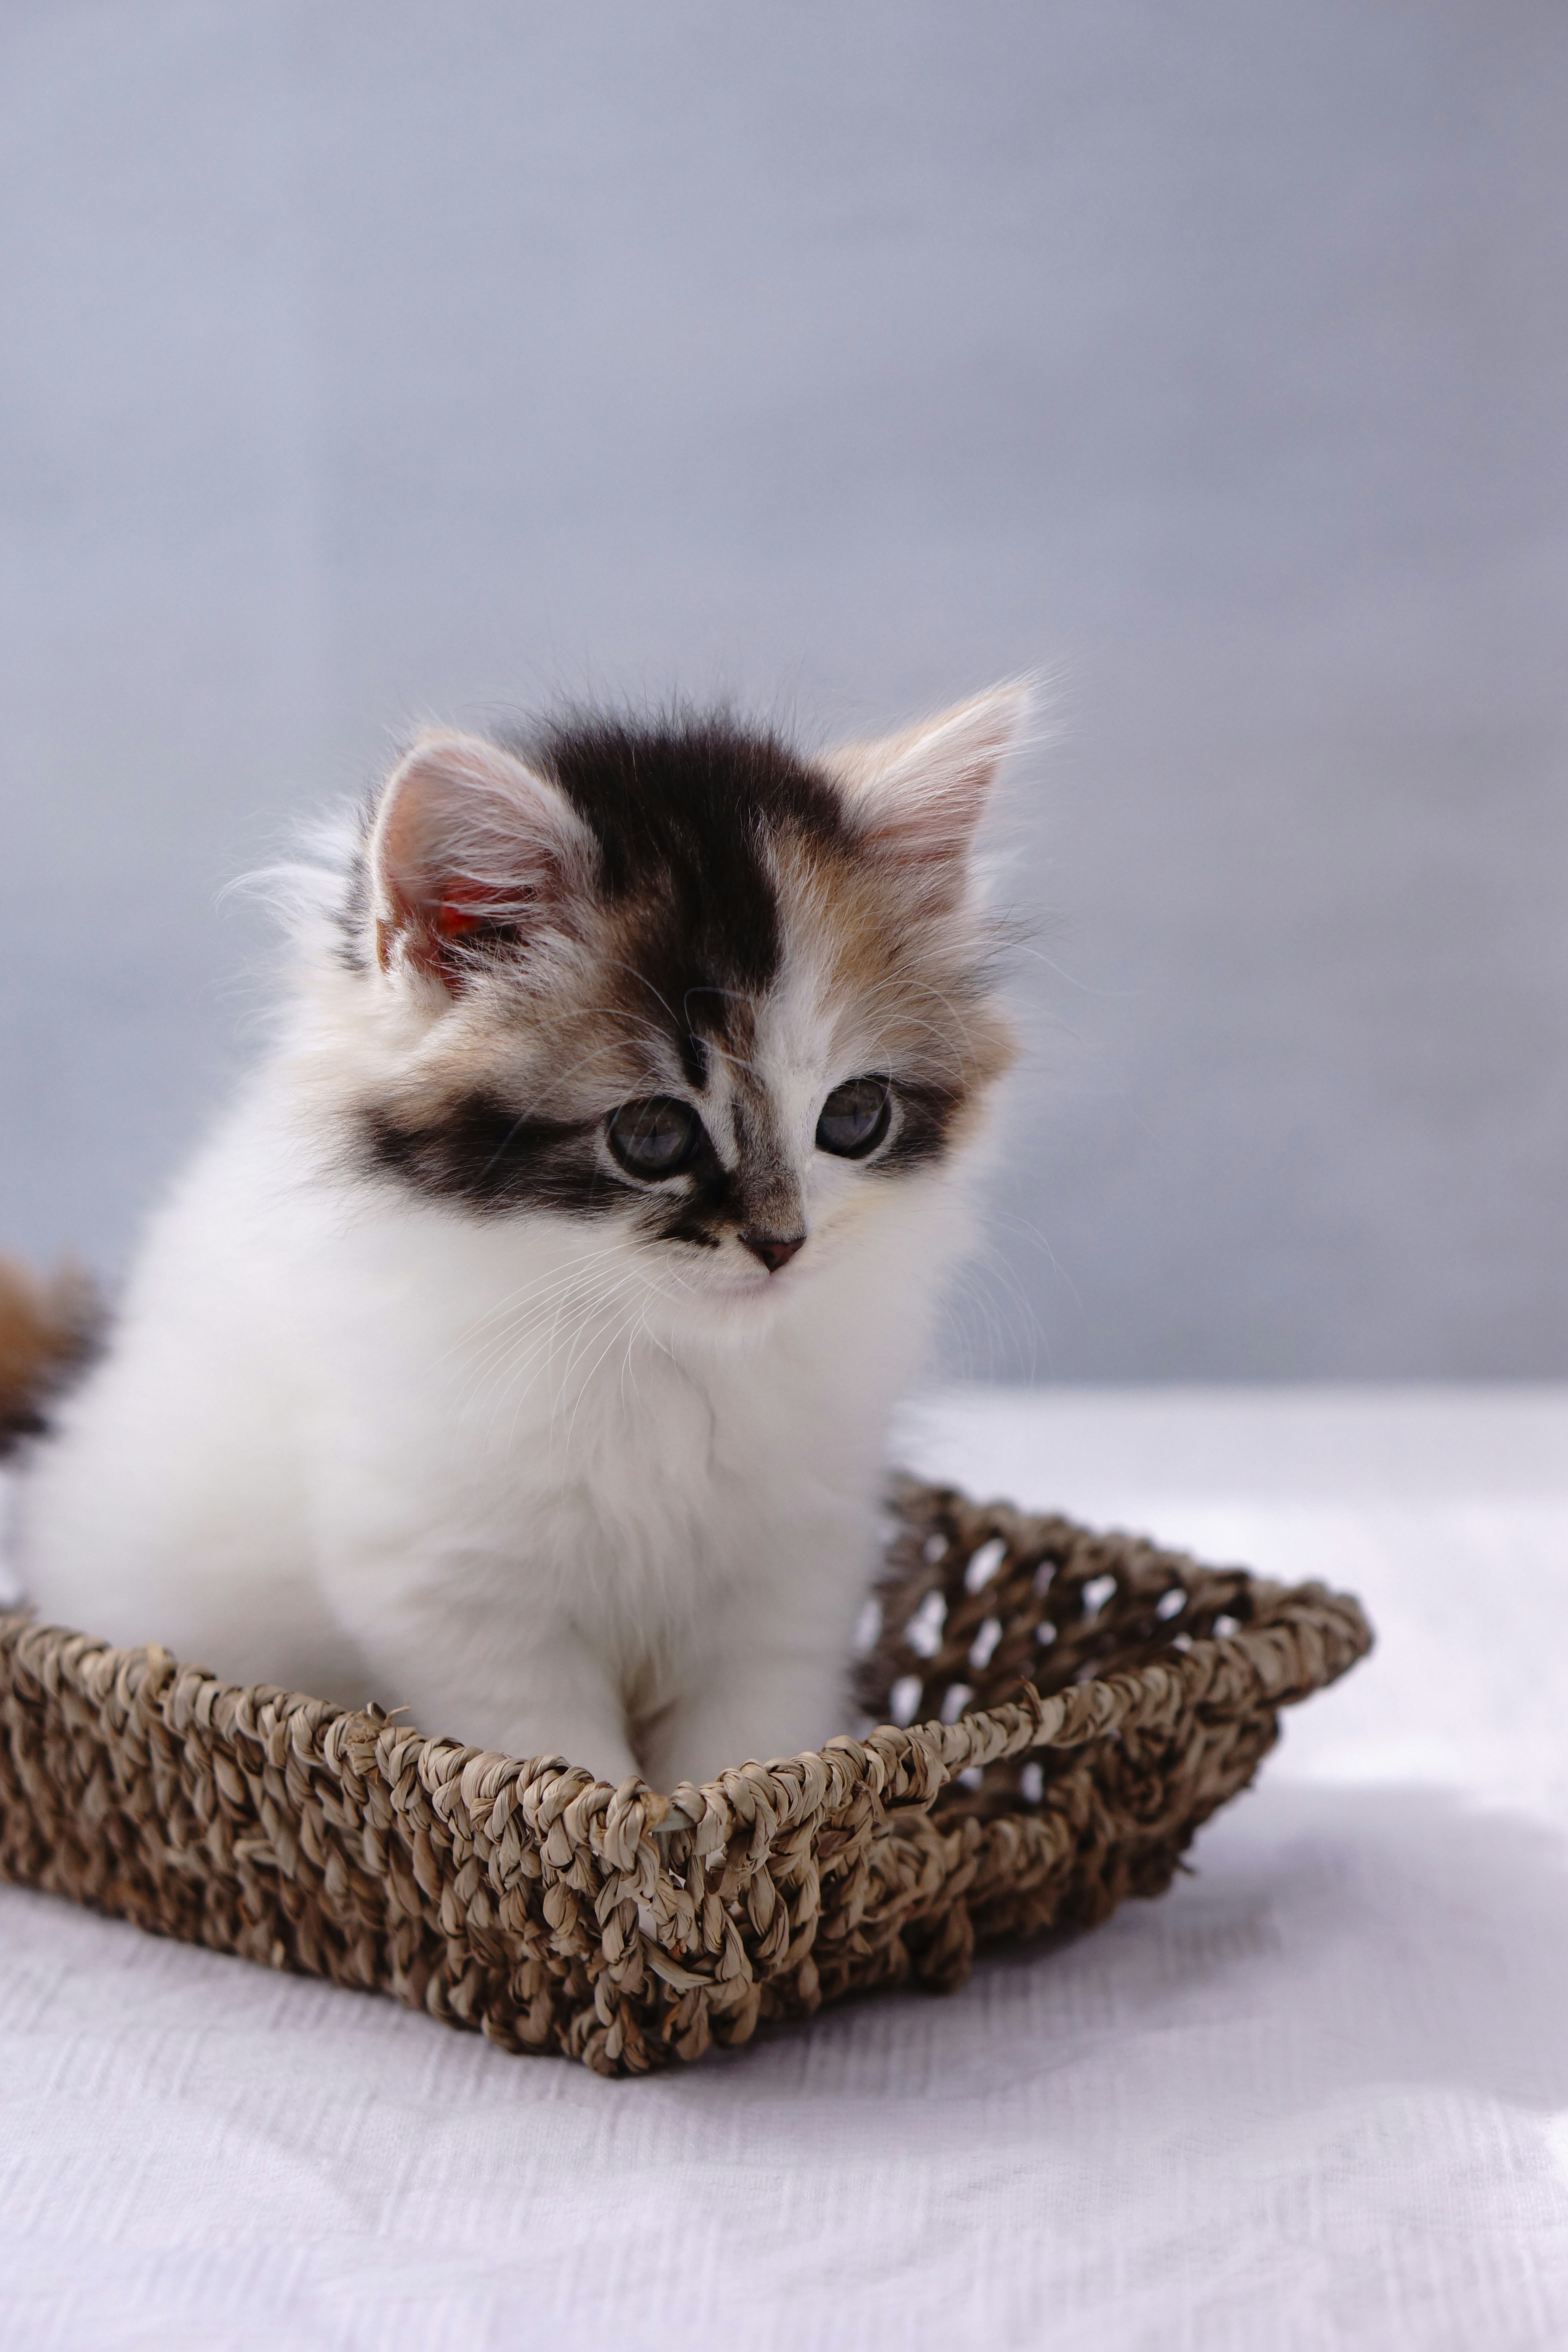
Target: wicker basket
[(1093, 1700)]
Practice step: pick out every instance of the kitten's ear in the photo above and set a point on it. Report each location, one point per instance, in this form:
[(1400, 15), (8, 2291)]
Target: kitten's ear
[(469, 845), (919, 795)]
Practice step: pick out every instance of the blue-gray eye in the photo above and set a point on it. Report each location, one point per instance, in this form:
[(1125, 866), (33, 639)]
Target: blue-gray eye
[(658, 1137), (855, 1117)]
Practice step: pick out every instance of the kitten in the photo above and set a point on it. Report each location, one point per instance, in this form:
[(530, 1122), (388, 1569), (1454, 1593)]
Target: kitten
[(520, 1350)]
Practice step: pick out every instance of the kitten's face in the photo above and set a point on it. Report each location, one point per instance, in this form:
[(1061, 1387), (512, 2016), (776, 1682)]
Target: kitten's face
[(717, 1004)]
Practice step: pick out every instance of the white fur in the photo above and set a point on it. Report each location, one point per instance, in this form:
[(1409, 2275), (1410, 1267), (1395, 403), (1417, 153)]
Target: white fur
[(504, 1473)]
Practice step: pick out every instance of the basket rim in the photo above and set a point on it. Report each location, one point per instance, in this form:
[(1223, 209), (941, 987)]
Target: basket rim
[(1299, 1639)]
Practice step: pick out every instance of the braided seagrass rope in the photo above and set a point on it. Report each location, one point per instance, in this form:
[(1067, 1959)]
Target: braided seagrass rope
[(1103, 1697)]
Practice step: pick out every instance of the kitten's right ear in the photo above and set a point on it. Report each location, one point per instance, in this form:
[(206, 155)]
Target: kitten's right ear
[(469, 845)]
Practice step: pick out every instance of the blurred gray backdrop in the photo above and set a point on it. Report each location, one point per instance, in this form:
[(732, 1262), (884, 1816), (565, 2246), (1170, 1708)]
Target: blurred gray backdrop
[(367, 360)]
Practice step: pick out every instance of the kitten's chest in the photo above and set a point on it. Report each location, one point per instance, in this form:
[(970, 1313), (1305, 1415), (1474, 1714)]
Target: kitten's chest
[(531, 1458), (631, 1488)]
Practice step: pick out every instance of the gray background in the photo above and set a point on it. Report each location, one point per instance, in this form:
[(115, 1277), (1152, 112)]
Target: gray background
[(370, 361)]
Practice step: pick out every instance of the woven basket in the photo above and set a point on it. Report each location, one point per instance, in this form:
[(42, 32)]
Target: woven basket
[(1093, 1700)]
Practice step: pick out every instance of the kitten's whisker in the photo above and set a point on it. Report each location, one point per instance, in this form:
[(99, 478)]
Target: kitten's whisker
[(505, 1353), (586, 1379), (542, 1354), (529, 1296), (496, 1345), (503, 1378), (516, 1298), (578, 1342), (1009, 1217)]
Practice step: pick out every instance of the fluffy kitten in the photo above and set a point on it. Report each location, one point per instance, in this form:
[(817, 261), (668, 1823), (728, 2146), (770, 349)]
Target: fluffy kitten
[(520, 1350)]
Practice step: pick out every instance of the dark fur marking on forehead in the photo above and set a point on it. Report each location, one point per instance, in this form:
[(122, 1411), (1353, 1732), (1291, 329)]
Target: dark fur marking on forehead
[(481, 1155), (682, 809), (689, 794)]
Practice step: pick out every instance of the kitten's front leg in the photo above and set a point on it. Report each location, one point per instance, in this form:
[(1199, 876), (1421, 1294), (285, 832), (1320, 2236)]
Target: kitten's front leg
[(772, 1677), (778, 1705), (473, 1673)]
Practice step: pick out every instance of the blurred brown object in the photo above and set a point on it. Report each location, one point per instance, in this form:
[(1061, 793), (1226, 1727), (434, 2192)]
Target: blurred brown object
[(49, 1330)]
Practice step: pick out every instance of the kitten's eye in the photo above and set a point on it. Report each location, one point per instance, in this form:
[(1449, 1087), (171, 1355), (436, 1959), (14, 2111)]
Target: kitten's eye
[(853, 1118), (658, 1137)]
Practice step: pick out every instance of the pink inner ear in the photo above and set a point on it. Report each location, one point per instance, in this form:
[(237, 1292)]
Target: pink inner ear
[(455, 917), (468, 842), (456, 913)]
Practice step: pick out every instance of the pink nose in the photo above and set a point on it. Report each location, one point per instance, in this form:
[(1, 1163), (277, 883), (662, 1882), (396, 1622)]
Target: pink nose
[(773, 1249)]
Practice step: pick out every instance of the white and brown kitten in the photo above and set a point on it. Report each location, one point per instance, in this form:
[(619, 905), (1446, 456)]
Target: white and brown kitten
[(520, 1350)]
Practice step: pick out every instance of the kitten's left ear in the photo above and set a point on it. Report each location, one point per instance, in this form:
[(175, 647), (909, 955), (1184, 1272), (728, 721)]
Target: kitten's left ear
[(919, 795)]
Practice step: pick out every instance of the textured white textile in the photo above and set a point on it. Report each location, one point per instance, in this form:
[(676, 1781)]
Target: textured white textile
[(1317, 2095)]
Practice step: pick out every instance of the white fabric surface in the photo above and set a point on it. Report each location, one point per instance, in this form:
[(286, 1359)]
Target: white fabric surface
[(1317, 2095)]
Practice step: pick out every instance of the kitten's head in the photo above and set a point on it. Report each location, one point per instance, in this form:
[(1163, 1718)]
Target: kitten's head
[(722, 1003)]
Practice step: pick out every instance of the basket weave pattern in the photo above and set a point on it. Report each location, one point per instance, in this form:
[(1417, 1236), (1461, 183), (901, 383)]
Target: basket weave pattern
[(1105, 1697)]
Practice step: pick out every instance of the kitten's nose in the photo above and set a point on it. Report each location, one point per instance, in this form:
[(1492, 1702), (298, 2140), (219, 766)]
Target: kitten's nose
[(773, 1249)]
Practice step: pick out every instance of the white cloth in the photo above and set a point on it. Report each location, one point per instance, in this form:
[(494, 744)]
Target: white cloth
[(1317, 2095)]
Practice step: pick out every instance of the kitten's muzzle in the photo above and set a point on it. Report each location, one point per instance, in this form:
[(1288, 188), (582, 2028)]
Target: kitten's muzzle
[(775, 1250)]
